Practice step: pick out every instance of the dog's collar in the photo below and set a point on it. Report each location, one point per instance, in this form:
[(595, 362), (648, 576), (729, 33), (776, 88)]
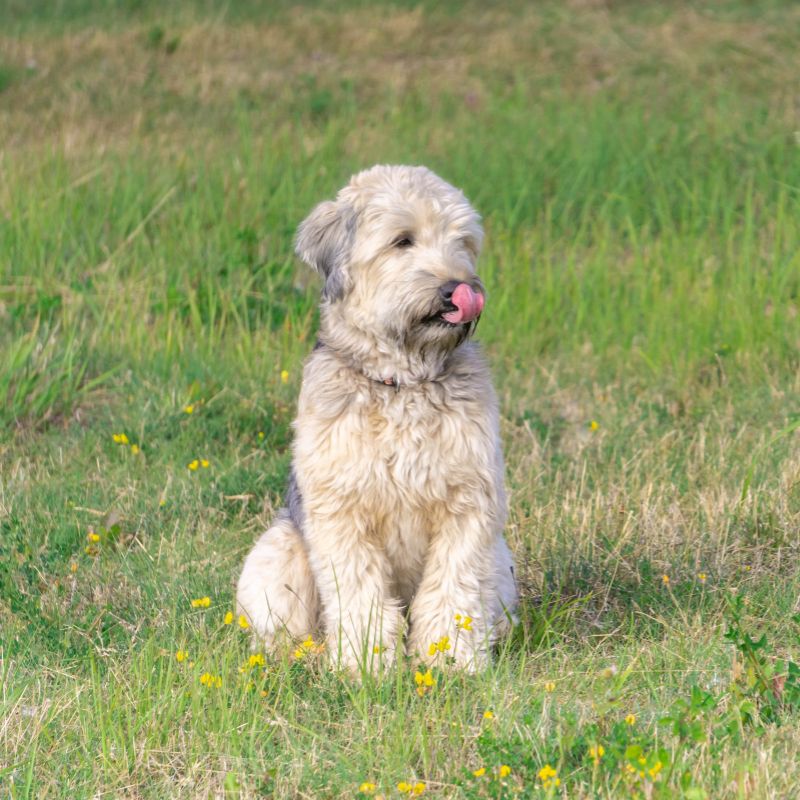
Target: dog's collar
[(319, 345), (390, 381)]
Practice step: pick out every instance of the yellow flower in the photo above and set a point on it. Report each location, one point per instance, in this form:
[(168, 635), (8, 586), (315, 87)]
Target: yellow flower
[(442, 646), (701, 576), (550, 686), (284, 376), (594, 425), (256, 660), (546, 772), (665, 580), (162, 502), (463, 623), (181, 655), (367, 787), (655, 769), (120, 438), (548, 776), (479, 772), (404, 787), (631, 719), (377, 649), (91, 550), (418, 788), (201, 602), (135, 449), (73, 567), (92, 536), (207, 679), (261, 436), (193, 465), (204, 463), (243, 623), (504, 771), (596, 753), (308, 646), (189, 409), (488, 714), (424, 682)]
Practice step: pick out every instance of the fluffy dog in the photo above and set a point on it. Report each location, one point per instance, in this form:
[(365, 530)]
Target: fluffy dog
[(395, 507)]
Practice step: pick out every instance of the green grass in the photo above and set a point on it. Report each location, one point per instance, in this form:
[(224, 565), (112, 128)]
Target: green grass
[(638, 171)]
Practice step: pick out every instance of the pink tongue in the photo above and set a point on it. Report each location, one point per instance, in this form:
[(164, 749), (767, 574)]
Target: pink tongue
[(468, 303)]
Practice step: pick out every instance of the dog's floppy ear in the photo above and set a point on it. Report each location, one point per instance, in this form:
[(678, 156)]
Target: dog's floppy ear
[(324, 241)]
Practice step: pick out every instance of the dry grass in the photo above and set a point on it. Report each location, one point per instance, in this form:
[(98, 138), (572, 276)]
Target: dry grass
[(98, 88)]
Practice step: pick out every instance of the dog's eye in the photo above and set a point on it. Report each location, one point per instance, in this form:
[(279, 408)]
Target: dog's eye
[(403, 242)]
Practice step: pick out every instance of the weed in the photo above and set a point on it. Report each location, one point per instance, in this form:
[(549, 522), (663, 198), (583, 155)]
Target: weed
[(766, 687)]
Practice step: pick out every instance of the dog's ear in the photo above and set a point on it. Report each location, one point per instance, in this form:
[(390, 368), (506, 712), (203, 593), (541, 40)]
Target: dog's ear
[(324, 241)]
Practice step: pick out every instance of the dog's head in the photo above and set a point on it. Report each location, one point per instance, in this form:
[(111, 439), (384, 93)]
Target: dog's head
[(397, 250)]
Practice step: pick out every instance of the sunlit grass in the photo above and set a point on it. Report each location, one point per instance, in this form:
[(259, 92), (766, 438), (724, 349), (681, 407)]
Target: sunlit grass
[(638, 173)]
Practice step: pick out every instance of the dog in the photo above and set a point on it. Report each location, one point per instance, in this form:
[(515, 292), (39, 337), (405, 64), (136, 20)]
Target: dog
[(396, 504)]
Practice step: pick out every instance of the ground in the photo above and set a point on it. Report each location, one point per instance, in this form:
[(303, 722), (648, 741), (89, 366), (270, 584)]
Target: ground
[(638, 170)]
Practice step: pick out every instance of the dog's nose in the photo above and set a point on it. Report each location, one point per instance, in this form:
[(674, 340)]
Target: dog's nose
[(447, 289)]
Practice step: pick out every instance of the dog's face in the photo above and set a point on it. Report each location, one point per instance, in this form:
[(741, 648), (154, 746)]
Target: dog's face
[(397, 249)]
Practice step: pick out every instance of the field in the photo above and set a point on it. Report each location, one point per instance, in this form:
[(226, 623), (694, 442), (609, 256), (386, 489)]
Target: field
[(637, 166)]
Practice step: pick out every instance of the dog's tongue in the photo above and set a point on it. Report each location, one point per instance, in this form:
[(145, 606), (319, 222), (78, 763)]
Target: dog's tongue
[(468, 303)]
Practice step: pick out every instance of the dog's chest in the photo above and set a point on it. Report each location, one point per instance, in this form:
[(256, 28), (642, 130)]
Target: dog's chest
[(413, 473), (415, 444), (385, 454)]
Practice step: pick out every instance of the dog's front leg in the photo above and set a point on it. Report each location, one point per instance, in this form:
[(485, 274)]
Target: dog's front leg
[(456, 597), (362, 621)]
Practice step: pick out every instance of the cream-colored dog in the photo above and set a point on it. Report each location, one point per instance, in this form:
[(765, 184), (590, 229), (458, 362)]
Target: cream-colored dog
[(395, 507)]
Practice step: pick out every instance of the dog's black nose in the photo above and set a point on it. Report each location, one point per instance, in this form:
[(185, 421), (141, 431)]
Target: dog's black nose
[(447, 289)]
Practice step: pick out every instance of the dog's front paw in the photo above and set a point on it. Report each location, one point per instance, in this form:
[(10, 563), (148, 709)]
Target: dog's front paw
[(461, 648), (359, 661)]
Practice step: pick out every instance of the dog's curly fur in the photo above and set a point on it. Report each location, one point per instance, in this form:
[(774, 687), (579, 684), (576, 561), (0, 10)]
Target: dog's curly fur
[(396, 505)]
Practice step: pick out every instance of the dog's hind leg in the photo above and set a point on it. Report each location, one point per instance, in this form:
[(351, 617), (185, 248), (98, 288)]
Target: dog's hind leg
[(504, 591), (276, 590)]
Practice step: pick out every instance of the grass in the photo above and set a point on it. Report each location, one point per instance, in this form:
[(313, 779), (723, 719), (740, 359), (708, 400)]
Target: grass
[(639, 175)]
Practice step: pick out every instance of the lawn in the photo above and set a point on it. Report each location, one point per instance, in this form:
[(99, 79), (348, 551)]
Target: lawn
[(637, 167)]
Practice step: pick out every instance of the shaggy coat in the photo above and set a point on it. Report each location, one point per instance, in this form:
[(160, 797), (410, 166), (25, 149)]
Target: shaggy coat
[(396, 507)]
